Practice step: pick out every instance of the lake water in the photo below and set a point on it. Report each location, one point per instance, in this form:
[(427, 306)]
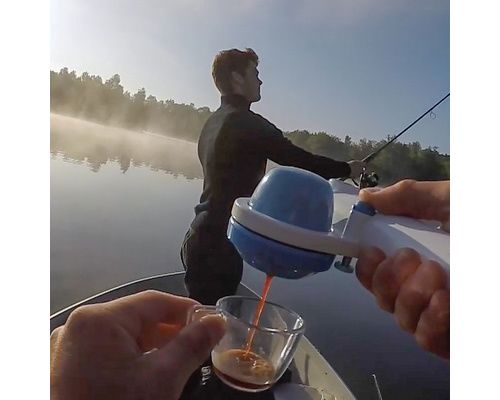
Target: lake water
[(120, 204)]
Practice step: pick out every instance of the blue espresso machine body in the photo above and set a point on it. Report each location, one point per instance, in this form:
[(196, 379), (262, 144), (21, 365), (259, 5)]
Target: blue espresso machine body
[(296, 197)]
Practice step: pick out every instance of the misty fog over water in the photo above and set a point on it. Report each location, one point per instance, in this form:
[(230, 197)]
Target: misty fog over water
[(114, 215), (121, 202)]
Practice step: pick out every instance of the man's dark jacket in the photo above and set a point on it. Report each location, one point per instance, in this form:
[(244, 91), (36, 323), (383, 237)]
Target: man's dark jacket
[(233, 148)]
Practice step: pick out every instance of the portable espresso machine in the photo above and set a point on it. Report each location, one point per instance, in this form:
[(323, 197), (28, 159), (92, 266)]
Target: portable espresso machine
[(297, 224)]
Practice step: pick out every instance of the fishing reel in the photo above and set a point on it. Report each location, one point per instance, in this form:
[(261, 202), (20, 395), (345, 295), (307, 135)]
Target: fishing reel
[(368, 180)]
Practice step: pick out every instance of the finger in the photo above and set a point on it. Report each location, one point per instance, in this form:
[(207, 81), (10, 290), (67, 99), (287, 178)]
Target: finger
[(55, 336), (415, 199), (397, 199), (157, 336), (390, 276), (433, 329), (368, 261), (416, 294), (186, 352), (140, 311)]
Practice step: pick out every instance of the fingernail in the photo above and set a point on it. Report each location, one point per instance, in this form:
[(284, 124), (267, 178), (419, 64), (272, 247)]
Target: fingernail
[(376, 254), (407, 255), (217, 327), (371, 190)]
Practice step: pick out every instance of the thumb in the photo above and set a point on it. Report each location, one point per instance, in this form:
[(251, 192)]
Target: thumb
[(176, 361), (425, 200), (398, 199), (376, 196)]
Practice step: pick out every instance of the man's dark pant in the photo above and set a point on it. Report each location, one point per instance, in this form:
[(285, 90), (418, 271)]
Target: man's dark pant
[(213, 266)]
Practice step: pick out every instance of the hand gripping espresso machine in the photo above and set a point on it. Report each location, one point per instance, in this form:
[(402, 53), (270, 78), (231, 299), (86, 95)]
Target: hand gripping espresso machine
[(297, 224)]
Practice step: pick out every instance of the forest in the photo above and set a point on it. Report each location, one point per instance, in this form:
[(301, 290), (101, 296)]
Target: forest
[(107, 102)]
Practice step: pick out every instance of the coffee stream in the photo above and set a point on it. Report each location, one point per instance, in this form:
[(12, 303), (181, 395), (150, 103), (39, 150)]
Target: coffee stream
[(243, 368), (260, 308)]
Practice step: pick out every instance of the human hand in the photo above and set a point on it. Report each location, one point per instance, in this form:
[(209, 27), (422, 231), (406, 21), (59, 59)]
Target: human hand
[(357, 167), (100, 352), (414, 199), (414, 290)]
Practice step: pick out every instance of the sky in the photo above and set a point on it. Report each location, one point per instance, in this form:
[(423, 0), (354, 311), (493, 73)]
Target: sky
[(364, 68)]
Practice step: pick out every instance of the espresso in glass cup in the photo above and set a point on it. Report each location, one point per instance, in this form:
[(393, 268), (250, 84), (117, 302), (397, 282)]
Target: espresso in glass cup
[(252, 357)]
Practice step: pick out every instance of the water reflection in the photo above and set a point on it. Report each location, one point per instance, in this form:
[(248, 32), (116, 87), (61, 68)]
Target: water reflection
[(125, 222), (95, 145)]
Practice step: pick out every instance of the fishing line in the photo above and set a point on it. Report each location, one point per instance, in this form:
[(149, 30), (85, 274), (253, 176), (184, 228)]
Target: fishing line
[(371, 156), (370, 180)]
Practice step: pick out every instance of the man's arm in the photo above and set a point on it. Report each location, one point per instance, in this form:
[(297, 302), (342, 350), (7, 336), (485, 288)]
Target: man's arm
[(279, 149)]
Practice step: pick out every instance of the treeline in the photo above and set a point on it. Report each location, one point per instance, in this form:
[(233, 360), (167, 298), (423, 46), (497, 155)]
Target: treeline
[(396, 162), (89, 97)]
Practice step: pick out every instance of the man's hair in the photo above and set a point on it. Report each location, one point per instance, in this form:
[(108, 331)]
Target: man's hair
[(227, 61)]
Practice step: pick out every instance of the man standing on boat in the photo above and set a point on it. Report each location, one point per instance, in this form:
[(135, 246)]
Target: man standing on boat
[(233, 148)]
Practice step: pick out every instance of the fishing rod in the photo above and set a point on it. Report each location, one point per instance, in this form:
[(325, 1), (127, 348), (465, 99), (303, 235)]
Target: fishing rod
[(371, 180), (371, 156)]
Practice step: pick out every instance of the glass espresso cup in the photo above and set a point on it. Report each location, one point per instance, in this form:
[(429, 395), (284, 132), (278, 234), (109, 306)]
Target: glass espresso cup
[(252, 357)]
